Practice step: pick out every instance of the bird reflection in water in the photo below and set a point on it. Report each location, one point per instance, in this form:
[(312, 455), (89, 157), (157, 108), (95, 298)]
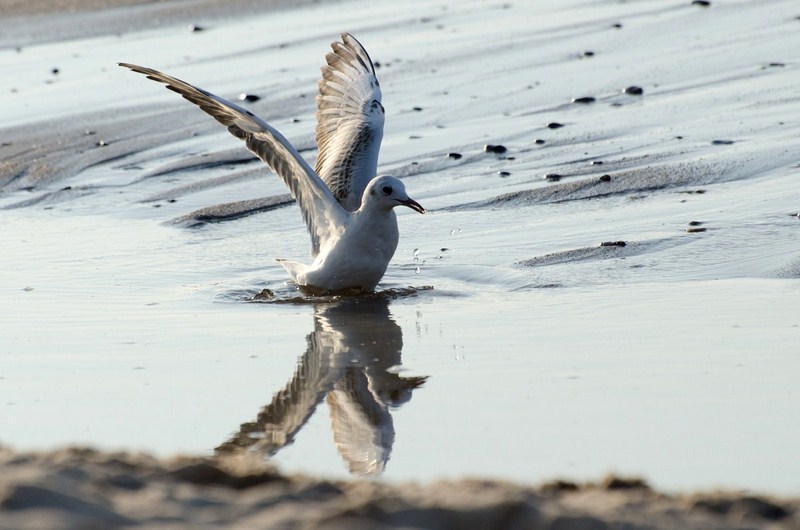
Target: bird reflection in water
[(350, 362)]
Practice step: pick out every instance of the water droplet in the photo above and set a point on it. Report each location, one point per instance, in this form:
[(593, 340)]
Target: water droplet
[(416, 254), (417, 270)]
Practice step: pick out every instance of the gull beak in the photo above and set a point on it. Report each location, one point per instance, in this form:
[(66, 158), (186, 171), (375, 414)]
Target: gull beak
[(414, 205)]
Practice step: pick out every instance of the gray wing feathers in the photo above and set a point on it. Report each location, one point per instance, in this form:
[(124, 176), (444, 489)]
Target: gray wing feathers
[(349, 122), (314, 198)]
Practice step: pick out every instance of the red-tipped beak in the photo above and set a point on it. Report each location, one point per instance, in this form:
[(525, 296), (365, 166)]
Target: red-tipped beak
[(414, 205)]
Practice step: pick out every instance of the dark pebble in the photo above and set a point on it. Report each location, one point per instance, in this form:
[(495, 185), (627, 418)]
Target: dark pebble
[(376, 64), (776, 65), (539, 142), (89, 132), (195, 27), (172, 200), (695, 229), (499, 149), (555, 177), (703, 3), (264, 294), (588, 54), (616, 25), (503, 173), (584, 100), (558, 486), (605, 178), (101, 143), (634, 90), (695, 223), (622, 483), (679, 137), (55, 71), (248, 98), (613, 244), (294, 120), (418, 109), (722, 142), (454, 156), (597, 162), (554, 125)]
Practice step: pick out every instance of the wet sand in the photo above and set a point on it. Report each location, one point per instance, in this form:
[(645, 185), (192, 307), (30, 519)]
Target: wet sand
[(51, 165), (83, 488), (41, 21)]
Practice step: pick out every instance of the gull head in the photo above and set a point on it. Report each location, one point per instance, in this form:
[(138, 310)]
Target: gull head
[(385, 192)]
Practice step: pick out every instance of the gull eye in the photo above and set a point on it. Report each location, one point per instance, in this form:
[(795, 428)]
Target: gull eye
[(387, 190)]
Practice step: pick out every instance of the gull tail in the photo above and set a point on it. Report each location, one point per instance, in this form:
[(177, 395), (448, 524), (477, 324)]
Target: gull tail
[(294, 268)]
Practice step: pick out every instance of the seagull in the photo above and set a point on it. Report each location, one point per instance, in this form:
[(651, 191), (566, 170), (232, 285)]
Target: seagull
[(348, 210)]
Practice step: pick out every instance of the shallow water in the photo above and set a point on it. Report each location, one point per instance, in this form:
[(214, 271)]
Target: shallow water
[(536, 354)]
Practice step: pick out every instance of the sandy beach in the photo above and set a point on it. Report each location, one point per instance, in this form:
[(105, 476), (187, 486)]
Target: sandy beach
[(84, 488), (594, 326)]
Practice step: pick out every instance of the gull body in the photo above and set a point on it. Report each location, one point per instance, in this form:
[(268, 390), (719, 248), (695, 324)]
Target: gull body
[(348, 210), (358, 256)]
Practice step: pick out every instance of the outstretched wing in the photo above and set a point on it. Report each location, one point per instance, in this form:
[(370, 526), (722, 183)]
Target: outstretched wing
[(277, 424), (349, 122), (321, 212)]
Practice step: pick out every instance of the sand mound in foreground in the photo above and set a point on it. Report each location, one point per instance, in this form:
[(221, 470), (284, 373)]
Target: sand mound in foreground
[(86, 488)]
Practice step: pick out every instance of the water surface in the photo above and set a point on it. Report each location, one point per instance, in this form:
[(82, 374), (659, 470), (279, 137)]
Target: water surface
[(538, 353)]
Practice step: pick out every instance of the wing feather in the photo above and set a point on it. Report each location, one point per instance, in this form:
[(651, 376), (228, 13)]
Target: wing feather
[(349, 122), (323, 216)]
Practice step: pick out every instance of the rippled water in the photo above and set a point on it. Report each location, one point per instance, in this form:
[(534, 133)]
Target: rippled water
[(505, 339)]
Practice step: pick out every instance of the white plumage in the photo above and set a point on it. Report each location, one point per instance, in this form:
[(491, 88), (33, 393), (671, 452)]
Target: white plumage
[(349, 211)]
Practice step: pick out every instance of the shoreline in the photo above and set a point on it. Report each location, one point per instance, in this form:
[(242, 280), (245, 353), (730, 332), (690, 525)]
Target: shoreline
[(80, 487)]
